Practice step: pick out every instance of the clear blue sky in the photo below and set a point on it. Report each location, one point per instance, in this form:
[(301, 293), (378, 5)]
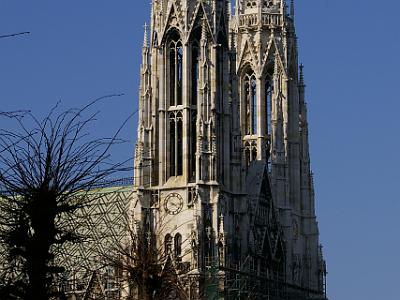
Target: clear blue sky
[(80, 50)]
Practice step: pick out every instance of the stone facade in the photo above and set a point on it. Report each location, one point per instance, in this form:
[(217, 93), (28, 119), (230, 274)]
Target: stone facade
[(222, 166)]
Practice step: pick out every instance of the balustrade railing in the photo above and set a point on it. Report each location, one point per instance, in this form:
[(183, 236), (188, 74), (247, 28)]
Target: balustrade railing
[(266, 20)]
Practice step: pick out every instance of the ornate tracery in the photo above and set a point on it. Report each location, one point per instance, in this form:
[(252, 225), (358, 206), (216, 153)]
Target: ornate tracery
[(194, 80), (269, 89), (217, 130), (250, 102), (178, 245), (174, 80), (250, 152), (175, 71), (168, 244), (175, 143)]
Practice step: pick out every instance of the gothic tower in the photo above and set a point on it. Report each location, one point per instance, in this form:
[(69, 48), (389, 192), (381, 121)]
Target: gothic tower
[(222, 168), (274, 126)]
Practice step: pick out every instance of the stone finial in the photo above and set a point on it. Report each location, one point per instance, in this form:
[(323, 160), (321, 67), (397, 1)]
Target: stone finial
[(276, 63), (238, 7), (204, 29), (301, 74), (145, 39)]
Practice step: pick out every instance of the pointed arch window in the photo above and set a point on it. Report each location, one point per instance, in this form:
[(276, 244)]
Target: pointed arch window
[(175, 71), (179, 73), (253, 95), (178, 245), (179, 145), (250, 152), (193, 145), (269, 89), (172, 148), (250, 103), (168, 244), (195, 71), (220, 72), (194, 79), (176, 143)]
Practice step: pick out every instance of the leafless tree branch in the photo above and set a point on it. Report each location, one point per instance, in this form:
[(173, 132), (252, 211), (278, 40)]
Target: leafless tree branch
[(46, 173), (14, 34)]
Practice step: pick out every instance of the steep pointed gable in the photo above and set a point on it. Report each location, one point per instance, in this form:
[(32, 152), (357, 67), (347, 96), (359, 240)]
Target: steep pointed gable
[(222, 30), (174, 20), (95, 288), (247, 54), (269, 53), (273, 55), (199, 18), (267, 219)]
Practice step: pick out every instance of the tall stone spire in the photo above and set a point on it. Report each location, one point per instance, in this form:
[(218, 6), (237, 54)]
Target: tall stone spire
[(292, 10), (301, 78)]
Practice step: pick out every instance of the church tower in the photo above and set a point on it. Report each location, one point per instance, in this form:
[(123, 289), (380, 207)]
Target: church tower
[(222, 168), (274, 125)]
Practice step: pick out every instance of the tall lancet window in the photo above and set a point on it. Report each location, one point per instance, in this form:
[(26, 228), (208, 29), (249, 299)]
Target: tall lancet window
[(250, 103), (175, 74), (179, 145), (253, 106), (168, 244), (172, 149), (195, 71), (193, 144), (178, 245), (269, 89), (175, 144), (179, 73), (194, 75)]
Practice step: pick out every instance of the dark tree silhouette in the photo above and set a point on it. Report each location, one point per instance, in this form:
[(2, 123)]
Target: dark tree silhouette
[(47, 169), (149, 269), (13, 34)]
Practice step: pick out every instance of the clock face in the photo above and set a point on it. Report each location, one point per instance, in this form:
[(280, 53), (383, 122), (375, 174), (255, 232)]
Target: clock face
[(173, 203)]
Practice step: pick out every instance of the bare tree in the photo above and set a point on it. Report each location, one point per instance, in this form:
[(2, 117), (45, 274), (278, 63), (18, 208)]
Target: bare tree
[(47, 169), (14, 34), (149, 267)]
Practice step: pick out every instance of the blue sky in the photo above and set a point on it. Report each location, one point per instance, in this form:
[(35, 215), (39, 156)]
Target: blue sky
[(81, 50)]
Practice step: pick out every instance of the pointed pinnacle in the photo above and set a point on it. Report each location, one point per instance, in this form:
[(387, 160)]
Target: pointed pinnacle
[(204, 29), (292, 9), (145, 39), (301, 74), (276, 63)]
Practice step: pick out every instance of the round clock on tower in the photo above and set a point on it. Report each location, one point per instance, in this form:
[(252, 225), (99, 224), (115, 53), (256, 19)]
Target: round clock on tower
[(173, 203)]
